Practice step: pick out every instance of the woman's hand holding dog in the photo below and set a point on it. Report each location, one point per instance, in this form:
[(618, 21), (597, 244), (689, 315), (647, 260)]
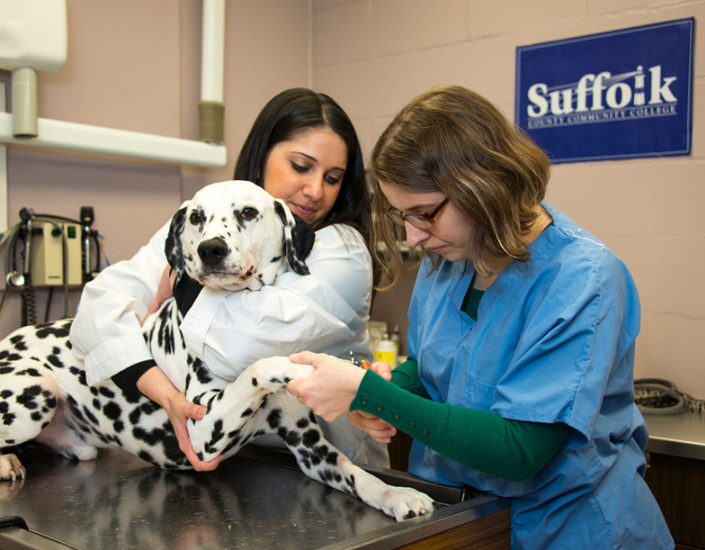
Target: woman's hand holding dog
[(331, 387), (155, 385)]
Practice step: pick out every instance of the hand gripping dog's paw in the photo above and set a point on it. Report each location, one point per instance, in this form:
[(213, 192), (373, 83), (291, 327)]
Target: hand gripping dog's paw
[(274, 373), (404, 502), (11, 468)]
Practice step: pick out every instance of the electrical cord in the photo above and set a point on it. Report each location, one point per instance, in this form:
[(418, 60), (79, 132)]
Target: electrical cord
[(657, 396), (22, 280)]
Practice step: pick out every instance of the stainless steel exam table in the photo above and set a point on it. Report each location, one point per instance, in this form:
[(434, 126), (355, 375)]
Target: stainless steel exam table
[(257, 499)]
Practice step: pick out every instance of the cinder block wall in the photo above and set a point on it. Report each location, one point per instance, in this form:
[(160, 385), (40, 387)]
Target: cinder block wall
[(375, 55)]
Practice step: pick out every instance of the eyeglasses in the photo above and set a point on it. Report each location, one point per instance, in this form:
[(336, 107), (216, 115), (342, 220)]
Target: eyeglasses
[(420, 221)]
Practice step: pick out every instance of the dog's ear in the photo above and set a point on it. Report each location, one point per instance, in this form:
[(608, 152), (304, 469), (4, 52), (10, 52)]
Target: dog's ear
[(298, 238), (172, 246)]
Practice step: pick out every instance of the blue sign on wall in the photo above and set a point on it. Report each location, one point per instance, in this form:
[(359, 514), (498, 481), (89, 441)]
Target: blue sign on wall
[(615, 95)]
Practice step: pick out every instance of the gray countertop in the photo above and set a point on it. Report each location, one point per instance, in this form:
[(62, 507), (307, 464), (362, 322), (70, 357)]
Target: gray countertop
[(256, 499), (680, 434)]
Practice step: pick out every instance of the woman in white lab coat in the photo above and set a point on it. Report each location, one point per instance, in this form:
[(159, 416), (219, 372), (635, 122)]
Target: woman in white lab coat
[(302, 149)]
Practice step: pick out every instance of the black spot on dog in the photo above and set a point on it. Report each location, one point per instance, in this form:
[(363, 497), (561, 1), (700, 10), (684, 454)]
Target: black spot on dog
[(151, 437), (217, 435), (54, 361), (131, 398), (310, 438), (203, 375), (28, 397), (47, 330), (18, 342), (302, 423), (90, 416), (134, 417), (112, 410), (8, 357), (80, 374), (106, 392), (330, 475), (29, 371), (274, 418)]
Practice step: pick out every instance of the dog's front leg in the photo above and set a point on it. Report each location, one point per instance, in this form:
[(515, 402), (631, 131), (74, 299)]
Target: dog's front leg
[(321, 461), (235, 415)]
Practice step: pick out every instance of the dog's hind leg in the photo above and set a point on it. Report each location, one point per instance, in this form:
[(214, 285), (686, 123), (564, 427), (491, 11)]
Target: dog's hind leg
[(29, 396)]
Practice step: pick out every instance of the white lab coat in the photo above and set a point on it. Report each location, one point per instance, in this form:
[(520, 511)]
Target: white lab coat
[(326, 311)]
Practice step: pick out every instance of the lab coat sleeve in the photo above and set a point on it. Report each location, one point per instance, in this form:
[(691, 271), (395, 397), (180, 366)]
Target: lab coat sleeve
[(106, 332), (325, 312)]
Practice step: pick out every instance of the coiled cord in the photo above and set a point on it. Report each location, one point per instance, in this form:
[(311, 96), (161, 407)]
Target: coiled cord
[(660, 397)]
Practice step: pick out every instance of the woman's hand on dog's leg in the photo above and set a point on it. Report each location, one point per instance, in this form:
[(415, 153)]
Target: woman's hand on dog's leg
[(330, 388), (157, 386), (179, 411)]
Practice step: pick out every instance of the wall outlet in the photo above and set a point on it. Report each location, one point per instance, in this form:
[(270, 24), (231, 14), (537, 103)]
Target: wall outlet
[(47, 255)]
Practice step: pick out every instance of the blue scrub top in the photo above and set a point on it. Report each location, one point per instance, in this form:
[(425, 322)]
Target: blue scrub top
[(553, 342)]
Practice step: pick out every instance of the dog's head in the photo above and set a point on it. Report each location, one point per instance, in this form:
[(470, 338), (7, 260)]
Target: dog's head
[(233, 235)]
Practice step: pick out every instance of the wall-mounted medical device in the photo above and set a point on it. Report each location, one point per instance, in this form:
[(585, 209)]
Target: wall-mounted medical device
[(46, 250), (55, 249)]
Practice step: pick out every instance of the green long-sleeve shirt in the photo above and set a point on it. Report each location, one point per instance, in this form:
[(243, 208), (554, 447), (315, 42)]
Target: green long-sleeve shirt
[(482, 440)]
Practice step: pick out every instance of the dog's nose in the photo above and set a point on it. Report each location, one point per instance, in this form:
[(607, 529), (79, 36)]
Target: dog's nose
[(212, 251)]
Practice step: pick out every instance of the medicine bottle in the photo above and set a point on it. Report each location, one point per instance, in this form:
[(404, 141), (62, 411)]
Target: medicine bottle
[(386, 351)]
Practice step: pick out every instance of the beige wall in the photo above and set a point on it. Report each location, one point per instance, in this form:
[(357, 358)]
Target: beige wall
[(135, 65), (375, 55)]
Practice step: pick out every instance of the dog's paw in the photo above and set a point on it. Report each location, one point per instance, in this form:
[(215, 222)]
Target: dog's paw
[(274, 373), (11, 468), (404, 502)]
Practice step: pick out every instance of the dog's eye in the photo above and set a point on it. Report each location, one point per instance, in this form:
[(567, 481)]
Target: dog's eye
[(248, 213), (196, 218)]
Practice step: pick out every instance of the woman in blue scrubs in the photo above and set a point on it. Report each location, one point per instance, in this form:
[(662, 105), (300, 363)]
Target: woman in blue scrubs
[(521, 339)]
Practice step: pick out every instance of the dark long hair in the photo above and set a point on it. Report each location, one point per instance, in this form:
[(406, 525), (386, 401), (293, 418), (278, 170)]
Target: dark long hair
[(293, 111)]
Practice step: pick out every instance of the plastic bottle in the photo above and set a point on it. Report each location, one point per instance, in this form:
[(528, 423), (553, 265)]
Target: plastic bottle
[(396, 339), (386, 351)]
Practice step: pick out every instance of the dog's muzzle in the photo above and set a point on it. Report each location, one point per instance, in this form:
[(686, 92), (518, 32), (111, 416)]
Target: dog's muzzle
[(219, 269), (212, 252)]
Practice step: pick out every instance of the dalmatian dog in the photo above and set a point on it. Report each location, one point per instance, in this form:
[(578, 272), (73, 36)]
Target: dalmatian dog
[(231, 235)]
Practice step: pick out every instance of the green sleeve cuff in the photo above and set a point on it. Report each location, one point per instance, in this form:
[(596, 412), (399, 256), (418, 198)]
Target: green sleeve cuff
[(482, 440), (406, 376), (418, 416)]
